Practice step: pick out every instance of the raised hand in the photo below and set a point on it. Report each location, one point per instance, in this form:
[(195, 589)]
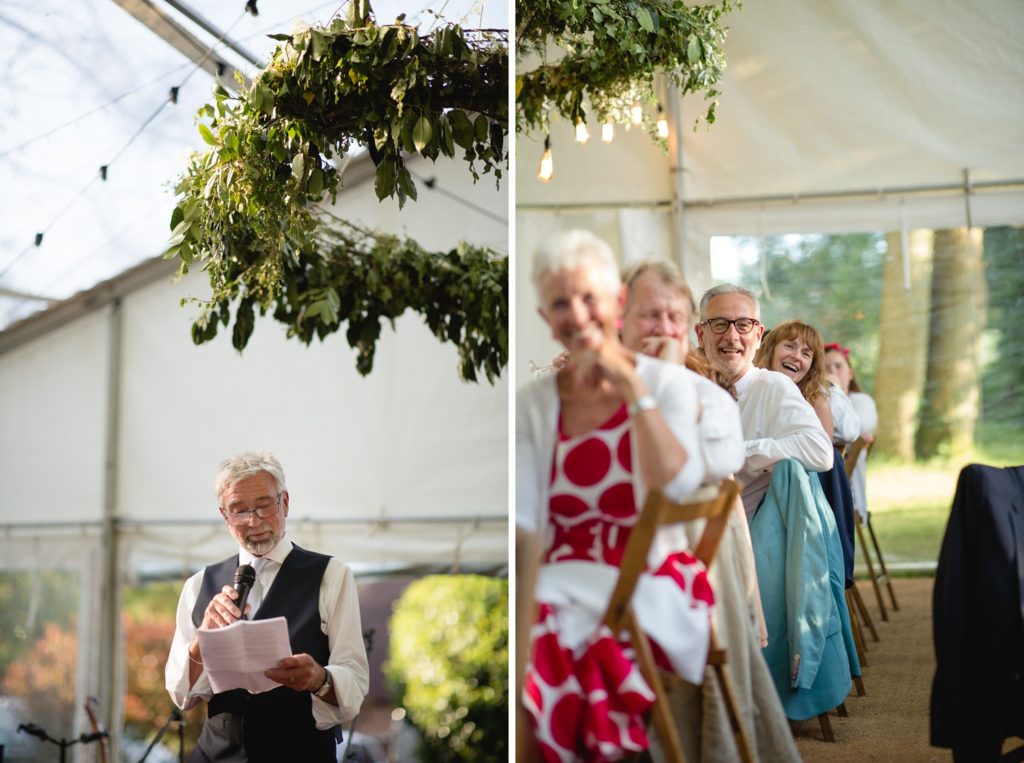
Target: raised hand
[(222, 610)]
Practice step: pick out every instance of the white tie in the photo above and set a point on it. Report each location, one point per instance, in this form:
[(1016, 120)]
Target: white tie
[(256, 593)]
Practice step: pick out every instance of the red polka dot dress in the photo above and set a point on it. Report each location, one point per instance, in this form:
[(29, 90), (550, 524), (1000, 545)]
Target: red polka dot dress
[(586, 696)]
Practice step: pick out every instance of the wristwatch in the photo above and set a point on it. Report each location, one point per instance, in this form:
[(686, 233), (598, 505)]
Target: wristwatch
[(325, 686), (643, 403)]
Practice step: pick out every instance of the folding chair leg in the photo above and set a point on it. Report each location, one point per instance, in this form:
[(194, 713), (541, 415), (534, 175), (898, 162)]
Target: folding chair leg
[(881, 563), (826, 728), (841, 710), (858, 634), (859, 683), (871, 568), (667, 731), (862, 609)]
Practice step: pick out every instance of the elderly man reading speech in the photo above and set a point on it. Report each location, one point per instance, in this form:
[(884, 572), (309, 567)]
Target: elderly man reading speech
[(322, 684)]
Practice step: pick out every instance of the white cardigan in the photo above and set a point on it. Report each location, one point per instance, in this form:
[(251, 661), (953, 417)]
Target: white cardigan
[(579, 590), (537, 408)]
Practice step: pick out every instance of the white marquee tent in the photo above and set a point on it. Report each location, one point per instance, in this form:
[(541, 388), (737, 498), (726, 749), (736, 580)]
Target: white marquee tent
[(834, 117)]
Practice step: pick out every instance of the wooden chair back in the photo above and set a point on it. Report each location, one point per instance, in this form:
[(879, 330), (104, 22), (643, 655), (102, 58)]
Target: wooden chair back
[(852, 453), (713, 505), (710, 503)]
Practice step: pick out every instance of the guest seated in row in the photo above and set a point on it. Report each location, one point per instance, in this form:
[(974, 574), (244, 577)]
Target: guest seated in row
[(798, 554), (840, 373), (795, 349), (591, 440), (656, 321), (777, 422)]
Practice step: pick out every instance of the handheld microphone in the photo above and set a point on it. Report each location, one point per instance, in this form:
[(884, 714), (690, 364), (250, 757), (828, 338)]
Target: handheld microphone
[(245, 576)]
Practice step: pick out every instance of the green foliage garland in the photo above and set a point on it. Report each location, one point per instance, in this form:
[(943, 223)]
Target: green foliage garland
[(449, 662), (248, 209), (612, 51)]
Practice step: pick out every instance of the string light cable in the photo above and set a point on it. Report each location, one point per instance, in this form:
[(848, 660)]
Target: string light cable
[(104, 169)]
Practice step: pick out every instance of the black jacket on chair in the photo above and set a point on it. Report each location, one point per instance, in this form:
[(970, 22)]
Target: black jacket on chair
[(978, 616)]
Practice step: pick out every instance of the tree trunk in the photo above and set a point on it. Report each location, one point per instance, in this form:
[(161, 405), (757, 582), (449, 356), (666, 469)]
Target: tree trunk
[(902, 343), (951, 403)]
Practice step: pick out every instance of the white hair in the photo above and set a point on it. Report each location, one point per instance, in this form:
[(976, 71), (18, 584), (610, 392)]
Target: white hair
[(245, 465), (573, 249), (728, 288)]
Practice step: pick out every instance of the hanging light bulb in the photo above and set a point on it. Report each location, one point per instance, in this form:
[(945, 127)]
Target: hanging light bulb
[(637, 113), (582, 133), (662, 123), (607, 132), (547, 165)]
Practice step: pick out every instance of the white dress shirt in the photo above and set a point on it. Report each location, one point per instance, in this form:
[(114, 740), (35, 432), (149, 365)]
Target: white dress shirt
[(719, 429), (339, 621), (845, 421), (777, 424)]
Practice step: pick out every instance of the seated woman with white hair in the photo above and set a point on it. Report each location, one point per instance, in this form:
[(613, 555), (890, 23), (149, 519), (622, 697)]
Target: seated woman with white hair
[(591, 441)]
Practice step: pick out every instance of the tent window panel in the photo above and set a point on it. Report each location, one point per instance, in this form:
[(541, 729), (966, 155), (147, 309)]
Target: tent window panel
[(38, 658)]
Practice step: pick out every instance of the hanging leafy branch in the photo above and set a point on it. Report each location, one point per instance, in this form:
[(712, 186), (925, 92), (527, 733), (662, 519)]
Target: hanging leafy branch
[(249, 213), (612, 51)]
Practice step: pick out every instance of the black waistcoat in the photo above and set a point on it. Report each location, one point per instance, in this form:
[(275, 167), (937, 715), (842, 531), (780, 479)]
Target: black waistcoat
[(276, 725)]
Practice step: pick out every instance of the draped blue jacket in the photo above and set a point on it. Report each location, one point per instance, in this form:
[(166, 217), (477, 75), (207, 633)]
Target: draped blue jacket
[(800, 571)]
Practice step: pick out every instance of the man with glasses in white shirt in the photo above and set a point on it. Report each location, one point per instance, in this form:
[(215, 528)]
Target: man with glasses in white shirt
[(777, 422), (796, 545), (323, 683)]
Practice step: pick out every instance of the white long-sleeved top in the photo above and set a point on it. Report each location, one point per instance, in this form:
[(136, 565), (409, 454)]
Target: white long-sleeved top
[(537, 408), (339, 621), (720, 431), (845, 421), (867, 412), (777, 424)]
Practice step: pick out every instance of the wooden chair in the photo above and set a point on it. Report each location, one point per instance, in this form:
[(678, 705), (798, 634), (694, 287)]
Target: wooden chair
[(619, 616), (850, 462), (528, 553)]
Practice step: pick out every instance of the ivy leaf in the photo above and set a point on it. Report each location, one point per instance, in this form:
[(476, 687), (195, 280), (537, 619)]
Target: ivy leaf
[(406, 184), (207, 135), (298, 165), (421, 133), (384, 182), (693, 50), (461, 127), (320, 44), (643, 17), (480, 128), (245, 322), (316, 182)]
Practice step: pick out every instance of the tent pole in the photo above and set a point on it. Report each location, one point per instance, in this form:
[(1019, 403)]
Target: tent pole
[(675, 157), (110, 596)]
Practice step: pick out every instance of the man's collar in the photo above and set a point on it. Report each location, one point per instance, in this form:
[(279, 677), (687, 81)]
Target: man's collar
[(743, 382), (278, 553)]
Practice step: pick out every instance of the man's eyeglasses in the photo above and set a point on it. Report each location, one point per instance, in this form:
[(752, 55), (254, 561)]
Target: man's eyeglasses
[(721, 325), (264, 509)]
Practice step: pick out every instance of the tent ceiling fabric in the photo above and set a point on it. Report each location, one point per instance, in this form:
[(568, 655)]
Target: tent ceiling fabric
[(831, 97)]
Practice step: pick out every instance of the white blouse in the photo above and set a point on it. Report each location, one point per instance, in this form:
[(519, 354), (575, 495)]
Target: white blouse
[(777, 424)]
